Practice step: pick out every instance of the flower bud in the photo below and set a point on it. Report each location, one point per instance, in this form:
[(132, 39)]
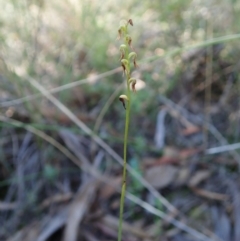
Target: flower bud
[(128, 40), (124, 62), (123, 48), (125, 65), (133, 56), (121, 31), (123, 98)]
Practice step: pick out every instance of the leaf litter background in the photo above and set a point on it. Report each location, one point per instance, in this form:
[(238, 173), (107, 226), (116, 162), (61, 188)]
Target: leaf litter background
[(62, 125)]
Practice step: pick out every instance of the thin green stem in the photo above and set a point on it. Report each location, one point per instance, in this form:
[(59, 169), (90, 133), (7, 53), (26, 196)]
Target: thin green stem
[(127, 120), (124, 177)]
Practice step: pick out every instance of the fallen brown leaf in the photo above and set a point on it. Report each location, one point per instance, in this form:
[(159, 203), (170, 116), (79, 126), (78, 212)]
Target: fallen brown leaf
[(171, 156), (161, 176), (186, 153), (199, 177), (182, 177), (190, 130), (106, 190), (151, 162), (210, 195)]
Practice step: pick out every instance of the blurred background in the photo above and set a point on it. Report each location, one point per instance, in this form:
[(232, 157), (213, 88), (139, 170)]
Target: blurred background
[(62, 125)]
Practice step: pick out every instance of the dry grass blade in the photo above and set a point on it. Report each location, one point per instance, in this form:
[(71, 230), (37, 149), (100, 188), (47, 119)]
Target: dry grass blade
[(72, 142), (106, 107), (59, 89), (78, 209), (58, 198), (236, 207), (7, 206), (159, 137), (51, 225), (222, 223), (220, 149)]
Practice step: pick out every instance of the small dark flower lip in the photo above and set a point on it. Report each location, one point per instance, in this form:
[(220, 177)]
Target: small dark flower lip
[(122, 55), (135, 63), (133, 87), (122, 51), (128, 40), (133, 82), (119, 33), (130, 22), (121, 30), (133, 55), (124, 68)]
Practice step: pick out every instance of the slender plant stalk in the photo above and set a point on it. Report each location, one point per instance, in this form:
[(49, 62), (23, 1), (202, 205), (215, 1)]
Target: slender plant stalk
[(126, 57), (124, 177)]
